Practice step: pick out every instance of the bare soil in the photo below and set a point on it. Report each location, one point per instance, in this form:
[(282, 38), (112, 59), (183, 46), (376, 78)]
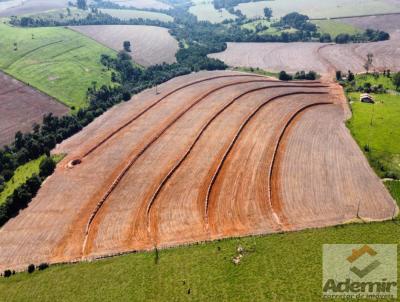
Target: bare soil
[(21, 106), (205, 158), (320, 57), (150, 45)]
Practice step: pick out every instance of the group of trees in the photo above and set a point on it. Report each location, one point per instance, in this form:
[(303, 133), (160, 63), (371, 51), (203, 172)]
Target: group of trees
[(23, 194), (297, 21), (369, 35), (300, 75)]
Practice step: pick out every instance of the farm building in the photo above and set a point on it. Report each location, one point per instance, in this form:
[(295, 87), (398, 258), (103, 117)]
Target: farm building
[(366, 98)]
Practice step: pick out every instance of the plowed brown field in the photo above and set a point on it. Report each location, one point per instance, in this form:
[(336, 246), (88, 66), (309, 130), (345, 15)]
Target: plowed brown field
[(209, 157), (150, 45), (320, 57), (21, 106)]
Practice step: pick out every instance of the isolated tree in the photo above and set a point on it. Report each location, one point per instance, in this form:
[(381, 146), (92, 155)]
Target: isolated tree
[(396, 80), (15, 46), (7, 273), (81, 4), (127, 46), (338, 75), (369, 61), (350, 76), (31, 268), (268, 13)]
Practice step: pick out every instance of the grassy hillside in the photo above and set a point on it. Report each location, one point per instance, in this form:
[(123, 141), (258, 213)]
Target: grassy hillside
[(335, 28), (57, 61), (280, 267), (382, 135)]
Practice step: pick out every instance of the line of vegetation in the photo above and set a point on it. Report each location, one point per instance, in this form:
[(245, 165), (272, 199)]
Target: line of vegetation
[(186, 25), (24, 193), (299, 75)]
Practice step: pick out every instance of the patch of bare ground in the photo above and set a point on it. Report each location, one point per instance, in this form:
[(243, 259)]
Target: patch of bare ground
[(320, 57), (200, 160), (21, 106), (150, 45)]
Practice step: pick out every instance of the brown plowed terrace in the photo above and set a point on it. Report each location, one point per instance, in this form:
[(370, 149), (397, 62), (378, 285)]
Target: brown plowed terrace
[(212, 155)]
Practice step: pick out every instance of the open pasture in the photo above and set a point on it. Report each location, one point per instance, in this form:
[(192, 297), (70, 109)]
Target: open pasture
[(55, 60), (150, 45), (208, 157)]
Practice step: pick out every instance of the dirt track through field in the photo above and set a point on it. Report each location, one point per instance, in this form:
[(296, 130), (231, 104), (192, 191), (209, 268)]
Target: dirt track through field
[(200, 160)]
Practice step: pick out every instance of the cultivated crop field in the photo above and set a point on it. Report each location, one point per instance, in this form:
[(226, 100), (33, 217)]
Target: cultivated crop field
[(213, 155), (21, 106), (126, 14), (20, 7), (142, 4), (388, 23), (150, 45), (56, 60), (319, 57), (334, 8)]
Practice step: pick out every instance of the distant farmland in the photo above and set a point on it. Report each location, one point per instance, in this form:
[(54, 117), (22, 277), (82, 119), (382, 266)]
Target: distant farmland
[(20, 7), (319, 57), (126, 14), (56, 60), (150, 44), (21, 106), (329, 9), (142, 4), (205, 11)]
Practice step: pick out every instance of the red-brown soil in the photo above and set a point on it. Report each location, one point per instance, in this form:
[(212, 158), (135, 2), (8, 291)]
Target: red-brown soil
[(21, 106), (198, 161)]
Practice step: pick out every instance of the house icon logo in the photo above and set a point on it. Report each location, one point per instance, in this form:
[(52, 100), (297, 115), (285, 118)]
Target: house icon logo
[(356, 254)]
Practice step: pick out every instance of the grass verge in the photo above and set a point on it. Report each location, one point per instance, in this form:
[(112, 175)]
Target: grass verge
[(279, 267)]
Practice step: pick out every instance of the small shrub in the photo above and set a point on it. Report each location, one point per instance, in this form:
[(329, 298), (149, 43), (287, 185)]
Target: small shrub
[(7, 273), (31, 268), (43, 266)]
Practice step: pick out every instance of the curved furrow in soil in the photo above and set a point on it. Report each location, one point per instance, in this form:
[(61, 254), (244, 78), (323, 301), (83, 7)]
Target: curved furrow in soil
[(190, 148), (239, 200), (145, 110), (177, 215), (232, 143), (137, 155)]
